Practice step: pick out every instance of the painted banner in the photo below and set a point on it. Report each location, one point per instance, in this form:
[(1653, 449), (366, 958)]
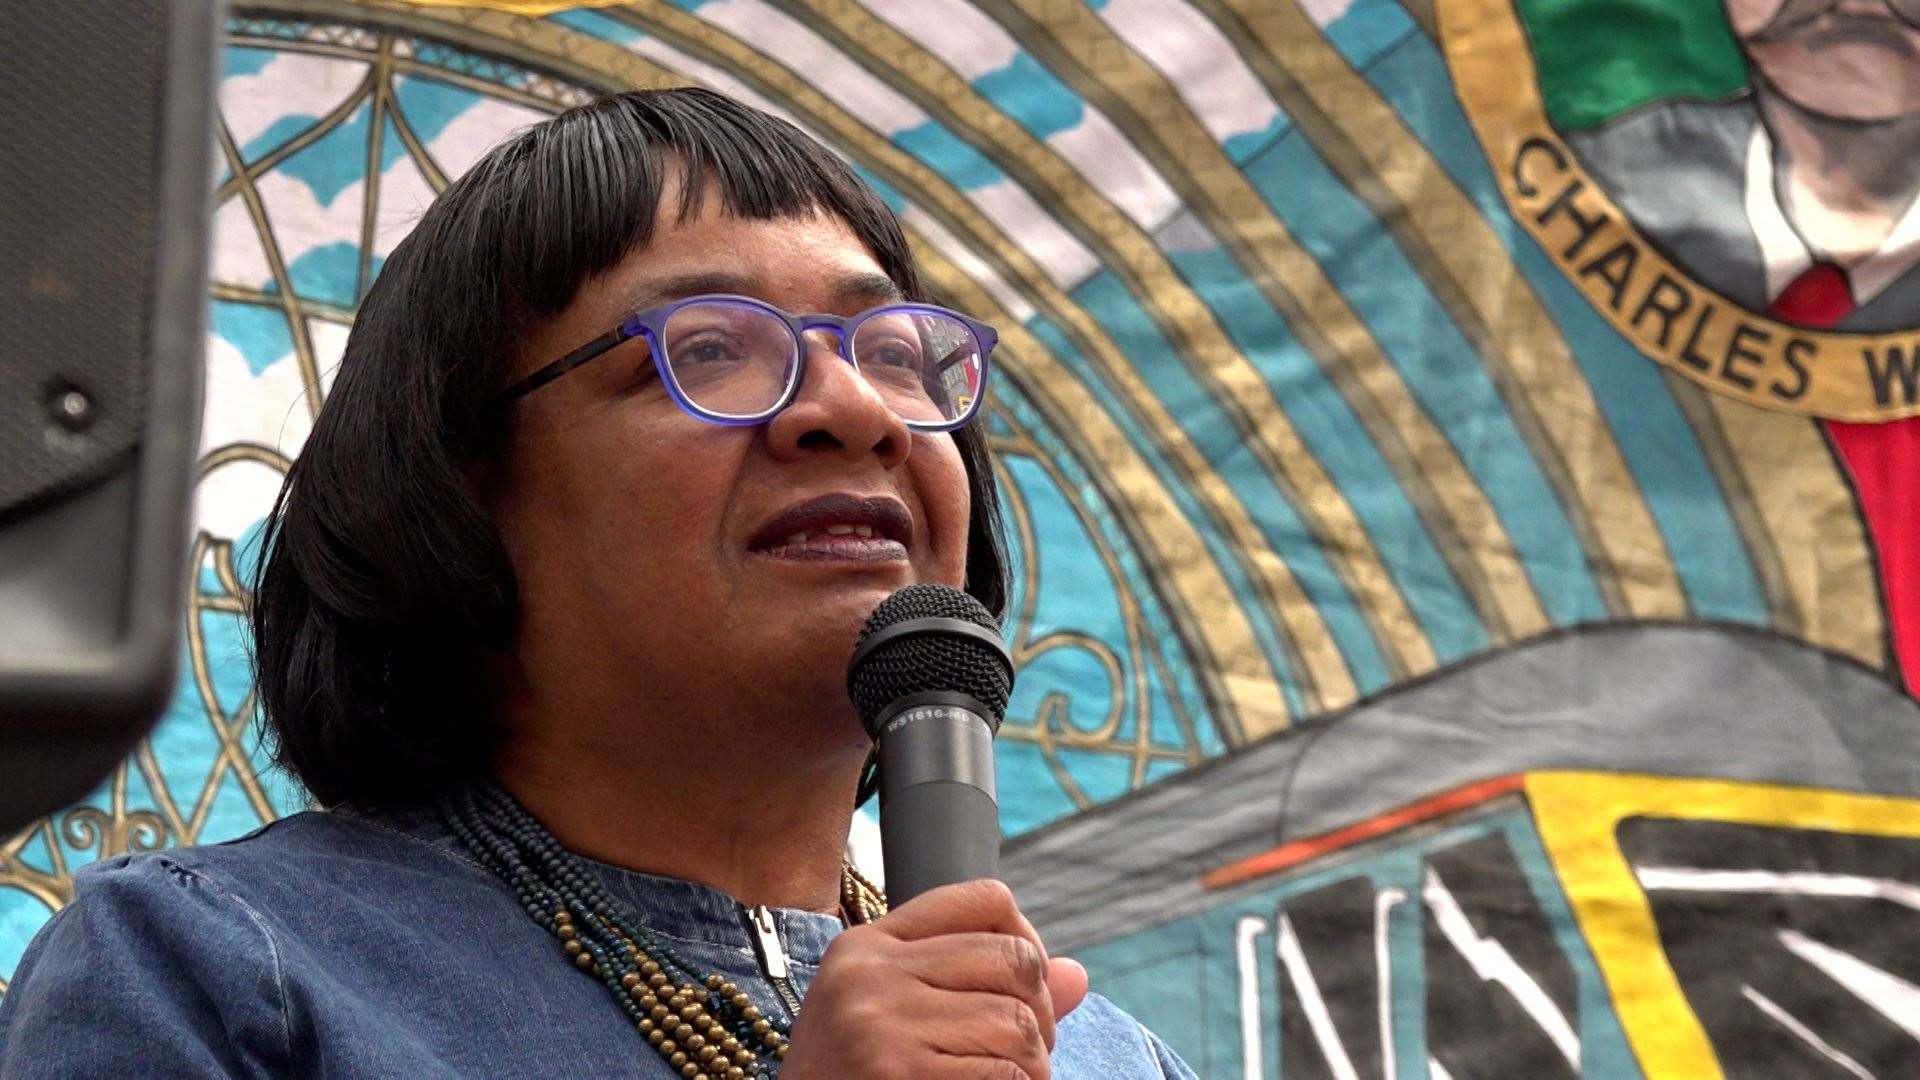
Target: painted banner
[(1461, 459)]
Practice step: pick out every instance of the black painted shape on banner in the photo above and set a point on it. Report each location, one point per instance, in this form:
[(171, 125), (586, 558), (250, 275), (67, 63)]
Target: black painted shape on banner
[(1729, 940), (1335, 928), (1492, 889), (1477, 1028)]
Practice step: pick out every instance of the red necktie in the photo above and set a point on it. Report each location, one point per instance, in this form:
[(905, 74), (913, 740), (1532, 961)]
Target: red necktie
[(1884, 460), (1818, 299)]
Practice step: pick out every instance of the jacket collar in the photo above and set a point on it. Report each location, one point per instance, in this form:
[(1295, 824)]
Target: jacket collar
[(673, 908)]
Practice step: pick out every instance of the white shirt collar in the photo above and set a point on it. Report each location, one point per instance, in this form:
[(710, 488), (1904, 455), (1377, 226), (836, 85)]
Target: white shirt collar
[(1786, 256)]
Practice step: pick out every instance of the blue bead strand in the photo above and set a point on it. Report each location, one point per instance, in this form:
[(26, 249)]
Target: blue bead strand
[(701, 1026)]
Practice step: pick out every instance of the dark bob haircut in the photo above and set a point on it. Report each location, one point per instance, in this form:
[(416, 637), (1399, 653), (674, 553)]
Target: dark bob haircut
[(382, 576)]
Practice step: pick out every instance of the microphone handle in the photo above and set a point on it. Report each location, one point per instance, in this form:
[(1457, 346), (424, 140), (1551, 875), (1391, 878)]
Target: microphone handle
[(939, 815)]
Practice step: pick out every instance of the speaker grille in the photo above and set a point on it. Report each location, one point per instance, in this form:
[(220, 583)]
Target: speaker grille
[(80, 102)]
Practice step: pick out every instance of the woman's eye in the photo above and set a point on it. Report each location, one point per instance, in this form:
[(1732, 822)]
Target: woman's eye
[(893, 354), (706, 350)]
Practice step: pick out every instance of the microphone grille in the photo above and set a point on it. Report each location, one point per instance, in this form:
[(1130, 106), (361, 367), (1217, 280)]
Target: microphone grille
[(919, 663)]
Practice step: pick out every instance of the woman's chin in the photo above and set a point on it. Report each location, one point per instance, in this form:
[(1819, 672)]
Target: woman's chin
[(806, 634), (830, 599)]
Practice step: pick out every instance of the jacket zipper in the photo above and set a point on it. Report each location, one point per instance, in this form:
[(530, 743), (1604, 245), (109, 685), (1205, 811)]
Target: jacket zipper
[(773, 959)]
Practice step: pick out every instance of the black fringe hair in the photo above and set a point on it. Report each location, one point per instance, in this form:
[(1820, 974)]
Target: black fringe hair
[(381, 575)]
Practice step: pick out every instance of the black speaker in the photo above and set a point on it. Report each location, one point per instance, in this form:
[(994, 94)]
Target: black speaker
[(106, 109)]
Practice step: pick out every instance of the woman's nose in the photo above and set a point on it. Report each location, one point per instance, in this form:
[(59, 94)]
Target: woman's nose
[(836, 410)]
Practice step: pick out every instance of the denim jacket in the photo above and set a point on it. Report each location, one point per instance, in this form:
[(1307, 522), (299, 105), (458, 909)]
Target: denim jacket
[(344, 944)]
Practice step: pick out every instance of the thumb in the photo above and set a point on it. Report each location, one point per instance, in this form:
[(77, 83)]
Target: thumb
[(1067, 983)]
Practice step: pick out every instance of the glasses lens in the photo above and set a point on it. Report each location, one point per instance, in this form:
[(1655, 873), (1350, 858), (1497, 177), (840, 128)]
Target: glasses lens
[(729, 359), (925, 364)]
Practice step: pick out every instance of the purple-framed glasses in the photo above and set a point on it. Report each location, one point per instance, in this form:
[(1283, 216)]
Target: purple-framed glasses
[(736, 360)]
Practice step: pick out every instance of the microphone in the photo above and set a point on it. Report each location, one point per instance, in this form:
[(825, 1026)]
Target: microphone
[(930, 679)]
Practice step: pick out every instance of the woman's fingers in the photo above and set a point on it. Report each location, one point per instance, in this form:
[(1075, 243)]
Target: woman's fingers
[(1066, 986), (956, 909), (989, 963), (953, 983), (993, 1027), (950, 1067), (982, 905)]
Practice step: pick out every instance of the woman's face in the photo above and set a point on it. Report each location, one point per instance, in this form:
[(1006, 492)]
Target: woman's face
[(679, 565)]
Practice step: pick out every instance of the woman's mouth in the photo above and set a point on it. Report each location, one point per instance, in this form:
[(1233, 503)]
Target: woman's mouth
[(854, 543), (837, 528)]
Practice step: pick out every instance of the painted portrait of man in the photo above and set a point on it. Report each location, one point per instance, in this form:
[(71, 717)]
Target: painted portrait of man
[(1795, 197)]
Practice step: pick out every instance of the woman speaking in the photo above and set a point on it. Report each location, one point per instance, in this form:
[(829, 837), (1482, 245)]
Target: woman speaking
[(631, 434)]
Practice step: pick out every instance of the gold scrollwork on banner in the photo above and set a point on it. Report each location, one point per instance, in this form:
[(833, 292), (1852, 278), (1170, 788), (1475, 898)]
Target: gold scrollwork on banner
[(1125, 727), (91, 832)]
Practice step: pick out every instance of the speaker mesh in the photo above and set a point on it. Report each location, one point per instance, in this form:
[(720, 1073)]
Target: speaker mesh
[(80, 101)]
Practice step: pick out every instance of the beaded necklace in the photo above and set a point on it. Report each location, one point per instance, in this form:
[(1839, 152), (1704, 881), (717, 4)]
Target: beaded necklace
[(700, 1025)]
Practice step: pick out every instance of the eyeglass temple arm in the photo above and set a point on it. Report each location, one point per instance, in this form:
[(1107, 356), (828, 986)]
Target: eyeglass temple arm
[(567, 363)]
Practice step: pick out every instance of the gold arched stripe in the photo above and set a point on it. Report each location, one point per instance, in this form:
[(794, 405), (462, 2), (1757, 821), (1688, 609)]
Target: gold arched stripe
[(1086, 54), (1808, 511), (1129, 687), (1769, 566), (1545, 390), (1242, 392), (1519, 613), (1242, 693), (277, 265), (521, 7), (382, 107)]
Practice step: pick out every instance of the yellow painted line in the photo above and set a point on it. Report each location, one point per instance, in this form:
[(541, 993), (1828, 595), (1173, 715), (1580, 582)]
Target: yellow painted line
[(1577, 815)]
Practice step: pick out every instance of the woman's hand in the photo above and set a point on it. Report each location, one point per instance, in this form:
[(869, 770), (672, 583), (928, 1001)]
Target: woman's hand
[(953, 984)]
